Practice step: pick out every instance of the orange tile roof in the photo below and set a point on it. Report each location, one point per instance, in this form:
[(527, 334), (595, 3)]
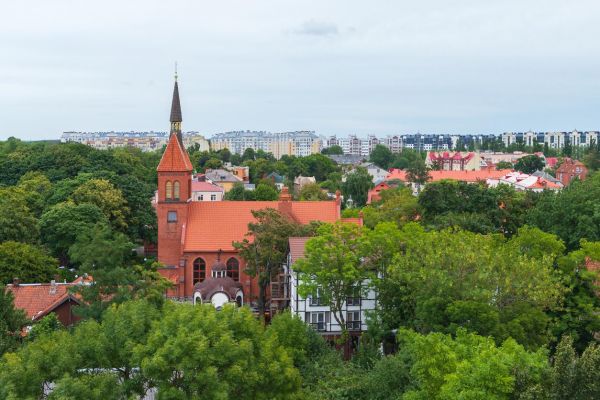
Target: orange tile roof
[(467, 176), (215, 225), (175, 158), (37, 300), (297, 246)]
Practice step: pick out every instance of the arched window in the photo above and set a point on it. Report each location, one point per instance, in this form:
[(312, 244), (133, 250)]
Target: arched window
[(176, 190), (199, 270), (169, 190), (233, 269)]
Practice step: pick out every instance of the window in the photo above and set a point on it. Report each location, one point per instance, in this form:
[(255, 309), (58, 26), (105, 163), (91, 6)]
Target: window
[(169, 190), (201, 197), (213, 197), (318, 320), (199, 273), (172, 216), (353, 320), (354, 299), (233, 269), (315, 299), (176, 190)]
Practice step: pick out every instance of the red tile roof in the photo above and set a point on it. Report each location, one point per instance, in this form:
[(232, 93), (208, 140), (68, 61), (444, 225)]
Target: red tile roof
[(38, 299), (175, 158), (467, 176), (205, 187), (297, 246), (215, 225)]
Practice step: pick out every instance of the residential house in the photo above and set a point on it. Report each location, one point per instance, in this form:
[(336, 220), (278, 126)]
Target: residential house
[(571, 169), (206, 191), (312, 311), (522, 182), (301, 181), (223, 178), (277, 179), (41, 299), (459, 161)]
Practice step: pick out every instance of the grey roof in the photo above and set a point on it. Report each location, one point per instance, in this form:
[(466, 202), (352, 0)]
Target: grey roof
[(221, 175), (175, 105), (546, 176), (348, 159)]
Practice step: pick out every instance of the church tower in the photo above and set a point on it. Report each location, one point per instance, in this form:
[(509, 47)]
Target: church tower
[(174, 190)]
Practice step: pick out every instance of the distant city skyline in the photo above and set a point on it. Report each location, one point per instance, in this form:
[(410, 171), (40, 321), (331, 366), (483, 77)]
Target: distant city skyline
[(336, 67)]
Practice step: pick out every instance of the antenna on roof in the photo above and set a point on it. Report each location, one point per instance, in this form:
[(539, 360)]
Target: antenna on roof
[(175, 71)]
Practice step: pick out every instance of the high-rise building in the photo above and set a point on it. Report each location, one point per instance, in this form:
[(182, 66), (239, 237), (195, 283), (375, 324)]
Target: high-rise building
[(299, 143)]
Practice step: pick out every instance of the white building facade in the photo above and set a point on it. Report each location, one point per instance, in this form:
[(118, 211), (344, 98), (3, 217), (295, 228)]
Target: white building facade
[(319, 315)]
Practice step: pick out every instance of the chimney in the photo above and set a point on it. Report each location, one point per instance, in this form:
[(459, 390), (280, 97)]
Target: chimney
[(16, 282), (52, 286), (285, 194)]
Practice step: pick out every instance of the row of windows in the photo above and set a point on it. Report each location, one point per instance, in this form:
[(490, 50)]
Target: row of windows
[(172, 190), (199, 270), (353, 300), (320, 319)]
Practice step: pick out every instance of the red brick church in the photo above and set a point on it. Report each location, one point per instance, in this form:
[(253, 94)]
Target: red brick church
[(195, 238)]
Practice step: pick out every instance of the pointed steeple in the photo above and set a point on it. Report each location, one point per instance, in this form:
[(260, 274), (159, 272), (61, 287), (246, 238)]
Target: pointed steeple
[(176, 111)]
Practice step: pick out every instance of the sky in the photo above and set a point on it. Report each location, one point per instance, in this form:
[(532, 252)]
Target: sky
[(333, 66)]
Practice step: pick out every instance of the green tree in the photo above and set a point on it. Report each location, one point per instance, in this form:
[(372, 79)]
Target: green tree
[(504, 165), (443, 281), (312, 192), (17, 222), (333, 269), (37, 188), (571, 214), (267, 250), (417, 173), (103, 194), (264, 192), (382, 156), (397, 205), (529, 164), (213, 163), (45, 326), (467, 367), (239, 193), (357, 185), (61, 224), (333, 150), (198, 352), (29, 263), (100, 247), (12, 321), (248, 154)]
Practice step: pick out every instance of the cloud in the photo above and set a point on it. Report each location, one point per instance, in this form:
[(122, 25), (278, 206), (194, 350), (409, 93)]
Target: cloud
[(317, 28)]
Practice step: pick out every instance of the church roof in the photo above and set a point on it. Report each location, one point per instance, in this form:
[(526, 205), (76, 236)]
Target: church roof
[(175, 158), (175, 105), (232, 218)]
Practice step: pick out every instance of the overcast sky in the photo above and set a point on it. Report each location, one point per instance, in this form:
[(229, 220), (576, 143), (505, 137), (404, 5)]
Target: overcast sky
[(336, 67)]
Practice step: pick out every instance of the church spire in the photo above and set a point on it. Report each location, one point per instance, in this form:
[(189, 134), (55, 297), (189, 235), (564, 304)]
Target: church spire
[(176, 111)]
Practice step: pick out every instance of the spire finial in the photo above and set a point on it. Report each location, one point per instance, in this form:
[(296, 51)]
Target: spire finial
[(175, 71)]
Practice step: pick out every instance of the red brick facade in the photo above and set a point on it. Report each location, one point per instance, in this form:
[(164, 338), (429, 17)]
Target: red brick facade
[(571, 169)]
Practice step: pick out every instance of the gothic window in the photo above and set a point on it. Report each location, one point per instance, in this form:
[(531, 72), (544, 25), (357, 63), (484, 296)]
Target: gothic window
[(169, 190), (199, 270), (233, 269), (176, 190)]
